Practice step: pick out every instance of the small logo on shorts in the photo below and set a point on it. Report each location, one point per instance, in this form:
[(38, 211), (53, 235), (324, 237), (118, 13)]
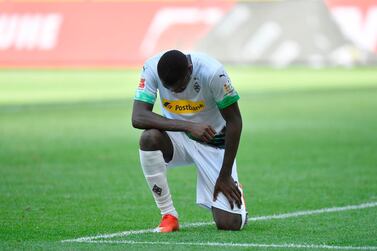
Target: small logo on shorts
[(157, 190)]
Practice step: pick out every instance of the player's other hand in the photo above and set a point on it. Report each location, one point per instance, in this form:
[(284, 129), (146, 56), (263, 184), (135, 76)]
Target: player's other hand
[(228, 187), (203, 132)]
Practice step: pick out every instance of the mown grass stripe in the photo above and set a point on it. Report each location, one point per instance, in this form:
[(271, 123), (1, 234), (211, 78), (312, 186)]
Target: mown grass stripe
[(252, 245), (258, 218)]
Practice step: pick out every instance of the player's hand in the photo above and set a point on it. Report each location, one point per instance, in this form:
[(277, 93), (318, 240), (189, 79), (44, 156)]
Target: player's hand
[(228, 187), (203, 132)]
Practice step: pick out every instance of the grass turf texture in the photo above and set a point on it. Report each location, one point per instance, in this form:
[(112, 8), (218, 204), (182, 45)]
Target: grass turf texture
[(69, 160)]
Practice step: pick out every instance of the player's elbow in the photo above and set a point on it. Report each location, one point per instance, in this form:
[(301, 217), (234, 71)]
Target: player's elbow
[(137, 122)]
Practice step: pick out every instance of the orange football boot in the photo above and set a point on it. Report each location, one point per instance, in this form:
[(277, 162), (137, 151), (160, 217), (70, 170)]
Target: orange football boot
[(169, 223)]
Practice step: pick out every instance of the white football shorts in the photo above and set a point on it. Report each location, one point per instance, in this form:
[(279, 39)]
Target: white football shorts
[(208, 161)]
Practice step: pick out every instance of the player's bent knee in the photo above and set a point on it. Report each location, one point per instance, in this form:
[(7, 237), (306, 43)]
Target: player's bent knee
[(227, 221), (232, 223), (150, 140)]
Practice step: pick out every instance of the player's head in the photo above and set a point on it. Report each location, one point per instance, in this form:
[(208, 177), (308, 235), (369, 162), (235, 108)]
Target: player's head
[(174, 70)]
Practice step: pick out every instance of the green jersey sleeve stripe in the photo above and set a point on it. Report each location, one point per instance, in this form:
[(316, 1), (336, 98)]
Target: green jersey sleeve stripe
[(145, 97), (227, 101)]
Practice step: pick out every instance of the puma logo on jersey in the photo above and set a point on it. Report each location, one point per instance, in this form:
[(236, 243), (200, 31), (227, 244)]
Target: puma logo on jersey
[(183, 106)]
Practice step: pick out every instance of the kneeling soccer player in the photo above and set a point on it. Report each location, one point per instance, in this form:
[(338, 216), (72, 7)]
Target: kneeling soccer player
[(201, 125)]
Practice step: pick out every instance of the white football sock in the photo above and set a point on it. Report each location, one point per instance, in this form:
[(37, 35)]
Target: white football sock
[(154, 168)]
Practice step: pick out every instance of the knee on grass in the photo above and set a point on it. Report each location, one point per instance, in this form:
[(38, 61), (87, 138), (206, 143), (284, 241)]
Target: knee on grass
[(227, 221)]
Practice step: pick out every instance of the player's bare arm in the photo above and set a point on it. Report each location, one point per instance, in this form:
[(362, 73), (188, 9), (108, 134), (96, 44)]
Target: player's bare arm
[(144, 118), (225, 182)]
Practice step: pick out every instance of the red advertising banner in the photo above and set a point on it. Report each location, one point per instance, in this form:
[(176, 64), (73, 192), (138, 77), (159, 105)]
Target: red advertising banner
[(100, 34), (357, 20)]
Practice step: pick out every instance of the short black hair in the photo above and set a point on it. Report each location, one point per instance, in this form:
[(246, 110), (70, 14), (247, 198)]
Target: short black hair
[(172, 66)]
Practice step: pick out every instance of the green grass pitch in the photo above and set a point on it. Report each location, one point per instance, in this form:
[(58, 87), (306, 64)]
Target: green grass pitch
[(69, 163)]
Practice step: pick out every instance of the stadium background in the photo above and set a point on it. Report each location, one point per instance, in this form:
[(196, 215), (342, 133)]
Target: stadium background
[(90, 33), (306, 74)]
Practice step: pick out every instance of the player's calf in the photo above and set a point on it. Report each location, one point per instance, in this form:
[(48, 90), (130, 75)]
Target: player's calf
[(153, 162)]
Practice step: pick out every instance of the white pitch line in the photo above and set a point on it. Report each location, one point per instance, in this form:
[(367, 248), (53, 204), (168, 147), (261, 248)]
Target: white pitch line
[(223, 244), (258, 218), (317, 211)]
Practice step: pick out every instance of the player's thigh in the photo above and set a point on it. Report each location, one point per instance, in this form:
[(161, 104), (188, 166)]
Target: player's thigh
[(181, 150), (209, 162)]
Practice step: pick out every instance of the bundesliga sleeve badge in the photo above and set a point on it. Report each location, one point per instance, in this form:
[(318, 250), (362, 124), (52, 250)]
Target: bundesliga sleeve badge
[(141, 84)]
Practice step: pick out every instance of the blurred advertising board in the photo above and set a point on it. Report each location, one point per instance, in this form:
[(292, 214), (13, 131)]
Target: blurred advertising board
[(288, 32), (357, 20), (74, 33)]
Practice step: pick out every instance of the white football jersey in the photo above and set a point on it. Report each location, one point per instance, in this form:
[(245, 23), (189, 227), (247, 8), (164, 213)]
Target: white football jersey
[(208, 91)]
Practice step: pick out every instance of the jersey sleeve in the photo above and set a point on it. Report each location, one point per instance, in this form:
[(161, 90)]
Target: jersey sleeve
[(223, 90), (147, 89)]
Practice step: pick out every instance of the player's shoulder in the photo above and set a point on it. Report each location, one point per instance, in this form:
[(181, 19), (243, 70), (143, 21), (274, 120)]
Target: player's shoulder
[(149, 69), (153, 61), (206, 66)]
